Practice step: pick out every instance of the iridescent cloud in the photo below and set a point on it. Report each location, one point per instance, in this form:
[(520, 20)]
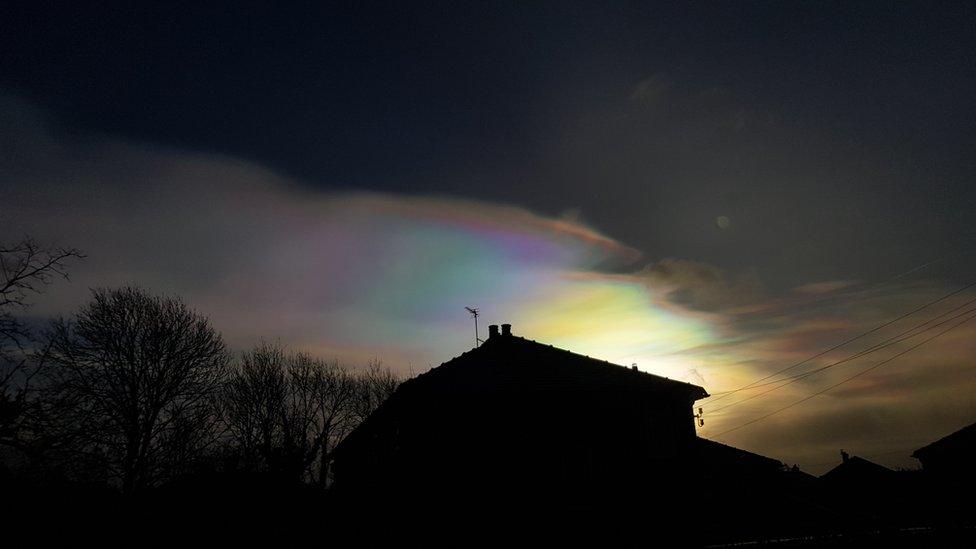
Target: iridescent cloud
[(362, 275)]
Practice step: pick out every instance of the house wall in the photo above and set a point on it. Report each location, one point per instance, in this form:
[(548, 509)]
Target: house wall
[(539, 441)]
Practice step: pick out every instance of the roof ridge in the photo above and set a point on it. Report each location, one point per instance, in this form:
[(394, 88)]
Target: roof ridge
[(492, 343), (593, 359), (941, 441)]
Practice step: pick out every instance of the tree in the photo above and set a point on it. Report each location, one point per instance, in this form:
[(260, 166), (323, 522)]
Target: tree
[(26, 268), (135, 377), (373, 387), (285, 412), (253, 405)]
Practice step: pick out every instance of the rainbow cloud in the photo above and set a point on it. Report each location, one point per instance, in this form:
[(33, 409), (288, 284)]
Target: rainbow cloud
[(401, 270), (354, 275), (362, 275)]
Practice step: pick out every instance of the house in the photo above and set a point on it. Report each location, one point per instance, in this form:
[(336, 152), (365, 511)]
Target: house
[(857, 473), (719, 460), (948, 472), (951, 457), (517, 416), (862, 490), (771, 499)]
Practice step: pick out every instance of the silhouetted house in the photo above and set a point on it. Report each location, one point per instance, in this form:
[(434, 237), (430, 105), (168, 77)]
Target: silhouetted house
[(771, 499), (717, 460), (952, 456), (520, 416), (949, 471), (863, 490), (856, 473)]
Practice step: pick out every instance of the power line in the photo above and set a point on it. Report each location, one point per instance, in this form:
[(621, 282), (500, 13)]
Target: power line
[(842, 344), (845, 380), (793, 379), (893, 340)]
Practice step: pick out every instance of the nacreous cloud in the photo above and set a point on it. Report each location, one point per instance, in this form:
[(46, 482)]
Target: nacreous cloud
[(352, 275), (358, 276)]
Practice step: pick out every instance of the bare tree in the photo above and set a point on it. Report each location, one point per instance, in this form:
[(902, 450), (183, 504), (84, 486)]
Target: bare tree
[(135, 376), (26, 268), (286, 411), (322, 394), (373, 386), (253, 404)]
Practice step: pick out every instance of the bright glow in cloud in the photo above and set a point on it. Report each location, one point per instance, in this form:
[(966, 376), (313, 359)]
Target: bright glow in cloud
[(356, 275)]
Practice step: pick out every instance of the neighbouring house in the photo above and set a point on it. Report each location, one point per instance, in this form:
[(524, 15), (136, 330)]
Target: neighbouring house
[(720, 460), (771, 499), (863, 490), (948, 472), (857, 473), (952, 457), (518, 416)]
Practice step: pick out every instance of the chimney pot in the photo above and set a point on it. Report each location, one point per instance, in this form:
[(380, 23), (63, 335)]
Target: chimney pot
[(506, 329), (492, 330)]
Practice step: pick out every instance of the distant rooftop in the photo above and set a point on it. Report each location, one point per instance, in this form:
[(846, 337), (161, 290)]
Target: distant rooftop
[(963, 438), (856, 468)]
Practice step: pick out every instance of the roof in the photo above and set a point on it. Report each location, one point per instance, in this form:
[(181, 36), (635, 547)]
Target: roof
[(516, 363), (512, 364), (963, 439), (856, 468), (722, 454)]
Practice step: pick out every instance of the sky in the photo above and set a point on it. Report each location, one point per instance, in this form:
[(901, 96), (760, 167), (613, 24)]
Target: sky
[(713, 192)]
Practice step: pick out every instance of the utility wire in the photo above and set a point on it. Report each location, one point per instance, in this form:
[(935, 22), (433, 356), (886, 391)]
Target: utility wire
[(845, 380), (877, 346), (893, 340), (845, 342), (793, 379)]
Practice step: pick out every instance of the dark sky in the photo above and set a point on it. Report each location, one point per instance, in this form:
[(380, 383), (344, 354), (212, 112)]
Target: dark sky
[(837, 137)]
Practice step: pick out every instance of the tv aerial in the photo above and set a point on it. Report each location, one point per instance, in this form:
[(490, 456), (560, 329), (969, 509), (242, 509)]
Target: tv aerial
[(474, 315)]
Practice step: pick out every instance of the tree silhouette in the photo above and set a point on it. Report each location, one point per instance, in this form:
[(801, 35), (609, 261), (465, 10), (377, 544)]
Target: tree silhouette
[(133, 377), (373, 387), (26, 268), (286, 411)]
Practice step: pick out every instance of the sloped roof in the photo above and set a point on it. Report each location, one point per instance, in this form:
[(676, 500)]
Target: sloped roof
[(512, 362), (723, 454), (964, 438), (856, 469)]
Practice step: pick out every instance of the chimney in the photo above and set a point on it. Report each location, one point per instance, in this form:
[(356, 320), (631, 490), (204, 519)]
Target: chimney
[(506, 329), (844, 456), (492, 331)]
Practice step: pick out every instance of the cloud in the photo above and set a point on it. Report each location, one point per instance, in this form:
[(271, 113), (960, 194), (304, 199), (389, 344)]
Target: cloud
[(701, 286), (359, 275), (900, 405), (350, 274), (652, 90)]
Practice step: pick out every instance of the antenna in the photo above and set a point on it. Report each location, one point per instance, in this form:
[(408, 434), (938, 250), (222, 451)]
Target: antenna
[(700, 416), (474, 315)]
